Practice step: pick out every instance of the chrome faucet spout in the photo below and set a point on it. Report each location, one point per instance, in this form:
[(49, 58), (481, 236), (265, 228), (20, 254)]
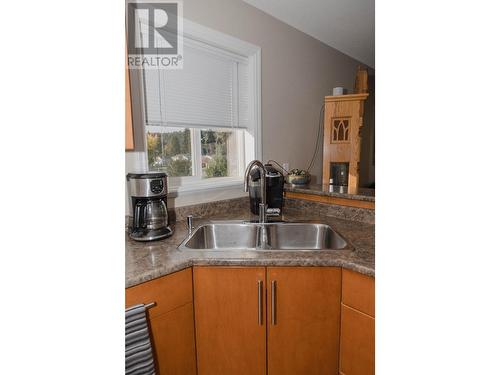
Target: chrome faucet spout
[(263, 204)]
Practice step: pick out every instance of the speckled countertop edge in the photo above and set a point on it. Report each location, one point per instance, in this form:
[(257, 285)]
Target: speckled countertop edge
[(149, 260), (315, 190)]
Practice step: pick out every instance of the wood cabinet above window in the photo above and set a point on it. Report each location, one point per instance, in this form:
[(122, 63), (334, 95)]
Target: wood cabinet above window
[(129, 130)]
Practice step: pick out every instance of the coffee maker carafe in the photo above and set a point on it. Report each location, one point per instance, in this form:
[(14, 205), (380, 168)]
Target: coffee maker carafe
[(148, 195)]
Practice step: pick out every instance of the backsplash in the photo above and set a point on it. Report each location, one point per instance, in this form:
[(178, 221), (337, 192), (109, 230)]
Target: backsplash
[(206, 210), (363, 215)]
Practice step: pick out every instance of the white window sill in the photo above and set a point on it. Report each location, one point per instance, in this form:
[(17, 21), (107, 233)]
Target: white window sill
[(198, 193), (204, 185)]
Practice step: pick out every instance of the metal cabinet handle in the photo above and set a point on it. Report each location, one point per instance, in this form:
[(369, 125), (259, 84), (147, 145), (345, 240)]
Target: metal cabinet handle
[(273, 302), (259, 293)]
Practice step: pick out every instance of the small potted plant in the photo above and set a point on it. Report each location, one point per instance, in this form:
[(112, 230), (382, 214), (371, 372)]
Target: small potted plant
[(298, 177)]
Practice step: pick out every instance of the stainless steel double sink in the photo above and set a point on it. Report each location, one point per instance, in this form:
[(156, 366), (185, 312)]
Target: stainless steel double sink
[(275, 236)]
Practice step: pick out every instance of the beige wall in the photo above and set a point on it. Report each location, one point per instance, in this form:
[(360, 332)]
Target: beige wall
[(297, 72)]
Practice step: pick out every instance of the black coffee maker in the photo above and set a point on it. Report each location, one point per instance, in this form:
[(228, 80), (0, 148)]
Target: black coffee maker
[(148, 198), (274, 190)]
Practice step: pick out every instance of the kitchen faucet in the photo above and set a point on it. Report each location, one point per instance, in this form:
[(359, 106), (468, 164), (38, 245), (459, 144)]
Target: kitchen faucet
[(262, 204), (262, 234)]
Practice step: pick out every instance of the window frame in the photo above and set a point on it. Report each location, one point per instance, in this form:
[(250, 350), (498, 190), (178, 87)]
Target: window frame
[(210, 38)]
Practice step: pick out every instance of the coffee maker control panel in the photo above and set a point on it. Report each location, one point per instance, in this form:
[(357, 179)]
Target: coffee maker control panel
[(156, 186)]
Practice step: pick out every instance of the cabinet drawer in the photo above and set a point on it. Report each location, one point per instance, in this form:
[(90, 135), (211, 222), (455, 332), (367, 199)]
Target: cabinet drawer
[(358, 291), (168, 292)]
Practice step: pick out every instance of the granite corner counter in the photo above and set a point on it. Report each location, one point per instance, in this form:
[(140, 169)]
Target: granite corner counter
[(273, 304), (146, 261)]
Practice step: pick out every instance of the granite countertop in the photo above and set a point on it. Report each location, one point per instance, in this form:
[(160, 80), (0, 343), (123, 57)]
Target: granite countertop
[(363, 194), (148, 260)]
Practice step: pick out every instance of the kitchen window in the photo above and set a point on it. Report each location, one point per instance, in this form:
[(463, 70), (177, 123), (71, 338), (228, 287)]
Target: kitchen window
[(202, 122)]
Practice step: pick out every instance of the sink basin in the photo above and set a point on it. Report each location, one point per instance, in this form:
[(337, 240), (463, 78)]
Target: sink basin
[(280, 236)]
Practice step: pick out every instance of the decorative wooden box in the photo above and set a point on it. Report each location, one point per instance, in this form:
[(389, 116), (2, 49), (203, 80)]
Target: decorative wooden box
[(342, 136)]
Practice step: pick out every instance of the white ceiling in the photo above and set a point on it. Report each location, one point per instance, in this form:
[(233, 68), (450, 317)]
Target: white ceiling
[(346, 25)]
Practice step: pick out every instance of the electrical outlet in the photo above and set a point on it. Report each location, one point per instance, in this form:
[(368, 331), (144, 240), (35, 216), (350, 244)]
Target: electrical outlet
[(286, 166)]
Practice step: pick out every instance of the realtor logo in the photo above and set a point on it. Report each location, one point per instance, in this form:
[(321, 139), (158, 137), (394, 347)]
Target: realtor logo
[(154, 34)]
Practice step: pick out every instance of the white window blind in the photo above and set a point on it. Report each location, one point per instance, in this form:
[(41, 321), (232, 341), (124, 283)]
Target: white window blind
[(212, 90)]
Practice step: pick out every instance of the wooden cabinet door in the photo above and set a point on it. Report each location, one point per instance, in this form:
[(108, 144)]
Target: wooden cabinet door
[(357, 343), (171, 321), (129, 132), (173, 341), (304, 325), (358, 292), (230, 337)]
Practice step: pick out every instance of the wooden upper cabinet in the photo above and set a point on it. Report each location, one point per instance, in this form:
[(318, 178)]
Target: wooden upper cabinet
[(230, 320), (304, 320), (171, 321), (129, 130), (342, 137)]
